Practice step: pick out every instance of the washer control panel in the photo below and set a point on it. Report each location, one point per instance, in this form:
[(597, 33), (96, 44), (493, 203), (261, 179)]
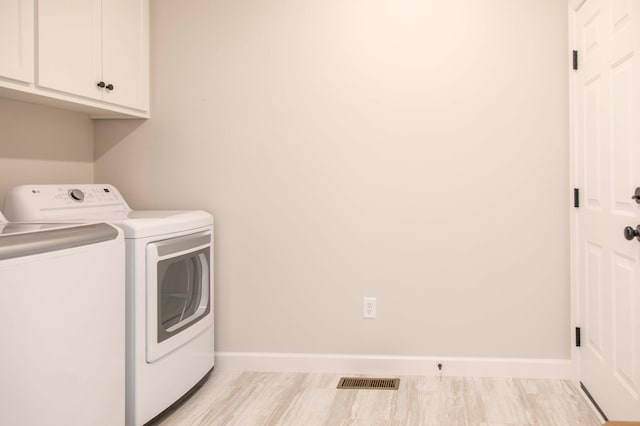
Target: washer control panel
[(28, 203), (93, 196)]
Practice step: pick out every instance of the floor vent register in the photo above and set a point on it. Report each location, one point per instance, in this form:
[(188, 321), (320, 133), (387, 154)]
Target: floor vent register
[(368, 383)]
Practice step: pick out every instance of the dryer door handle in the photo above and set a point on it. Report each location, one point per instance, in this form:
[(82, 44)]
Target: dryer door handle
[(182, 244)]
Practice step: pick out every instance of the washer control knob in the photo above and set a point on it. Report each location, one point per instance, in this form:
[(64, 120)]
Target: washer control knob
[(76, 194)]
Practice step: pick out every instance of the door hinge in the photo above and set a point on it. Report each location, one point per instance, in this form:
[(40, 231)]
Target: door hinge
[(578, 342), (575, 59), (576, 197)]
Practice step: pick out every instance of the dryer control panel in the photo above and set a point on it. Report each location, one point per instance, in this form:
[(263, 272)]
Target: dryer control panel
[(32, 203)]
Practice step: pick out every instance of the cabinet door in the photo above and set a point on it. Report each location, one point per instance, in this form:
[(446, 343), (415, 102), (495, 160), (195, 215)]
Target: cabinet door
[(69, 46), (16, 40), (125, 52)]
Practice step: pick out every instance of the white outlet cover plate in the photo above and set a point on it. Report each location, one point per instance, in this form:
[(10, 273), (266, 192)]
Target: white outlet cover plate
[(369, 309)]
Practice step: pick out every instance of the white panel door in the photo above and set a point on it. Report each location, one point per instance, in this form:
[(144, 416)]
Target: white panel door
[(607, 33), (70, 46), (16, 40), (125, 52)]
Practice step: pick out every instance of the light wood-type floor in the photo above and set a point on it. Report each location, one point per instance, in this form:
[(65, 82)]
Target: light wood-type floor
[(248, 399)]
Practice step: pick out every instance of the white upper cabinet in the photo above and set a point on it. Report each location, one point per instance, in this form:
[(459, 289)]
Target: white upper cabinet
[(97, 49), (16, 40), (125, 52), (69, 46), (83, 55)]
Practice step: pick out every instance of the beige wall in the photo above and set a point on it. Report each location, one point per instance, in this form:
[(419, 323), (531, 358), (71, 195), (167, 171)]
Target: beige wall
[(43, 145), (411, 151)]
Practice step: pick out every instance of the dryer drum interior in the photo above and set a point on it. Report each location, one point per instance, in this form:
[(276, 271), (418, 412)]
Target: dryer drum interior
[(183, 292)]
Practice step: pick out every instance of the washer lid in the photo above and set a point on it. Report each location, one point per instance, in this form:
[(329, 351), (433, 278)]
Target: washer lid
[(10, 228), (150, 223), (50, 238)]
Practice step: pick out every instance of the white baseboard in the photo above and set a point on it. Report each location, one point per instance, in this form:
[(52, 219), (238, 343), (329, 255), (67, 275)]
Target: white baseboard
[(394, 365)]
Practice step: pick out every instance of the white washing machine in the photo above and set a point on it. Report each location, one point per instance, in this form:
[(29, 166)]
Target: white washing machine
[(62, 304), (169, 284)]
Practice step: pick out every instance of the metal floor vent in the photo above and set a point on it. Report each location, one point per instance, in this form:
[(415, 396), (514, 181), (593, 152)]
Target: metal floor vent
[(368, 383)]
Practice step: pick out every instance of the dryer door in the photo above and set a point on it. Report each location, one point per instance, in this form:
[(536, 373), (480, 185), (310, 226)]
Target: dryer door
[(179, 292)]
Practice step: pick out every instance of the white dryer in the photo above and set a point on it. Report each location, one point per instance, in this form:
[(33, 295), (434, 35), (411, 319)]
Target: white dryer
[(63, 326), (169, 284)]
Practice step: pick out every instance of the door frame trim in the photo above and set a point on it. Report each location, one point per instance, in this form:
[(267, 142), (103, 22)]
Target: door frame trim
[(573, 6)]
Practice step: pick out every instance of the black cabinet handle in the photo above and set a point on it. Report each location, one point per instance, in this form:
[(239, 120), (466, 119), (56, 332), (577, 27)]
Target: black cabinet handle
[(103, 85)]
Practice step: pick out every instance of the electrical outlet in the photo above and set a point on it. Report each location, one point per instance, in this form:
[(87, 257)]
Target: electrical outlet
[(369, 307)]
